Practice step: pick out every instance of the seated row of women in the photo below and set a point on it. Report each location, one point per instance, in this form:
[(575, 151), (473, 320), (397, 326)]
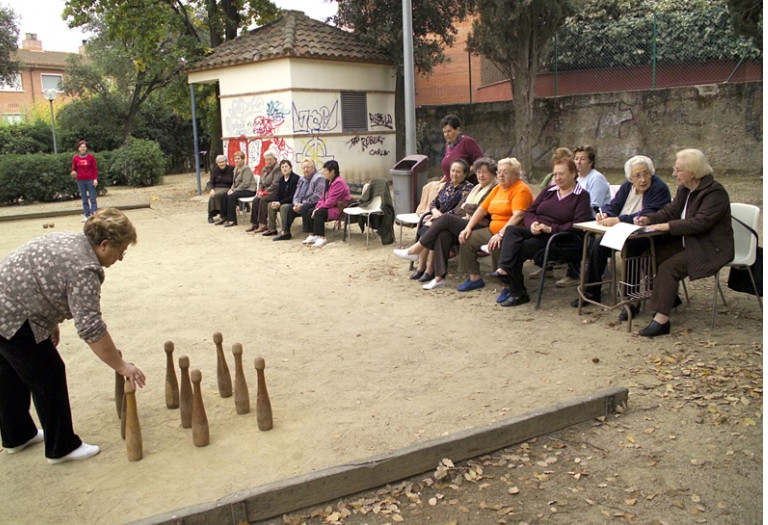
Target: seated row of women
[(315, 197), (515, 227)]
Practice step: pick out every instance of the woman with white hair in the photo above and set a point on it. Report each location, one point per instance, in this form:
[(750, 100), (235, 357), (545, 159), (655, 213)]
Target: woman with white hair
[(642, 193), (218, 185), (700, 216)]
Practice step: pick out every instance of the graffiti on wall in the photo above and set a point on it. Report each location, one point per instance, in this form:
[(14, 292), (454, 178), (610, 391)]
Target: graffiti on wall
[(239, 118), (315, 149), (322, 119), (367, 144), (270, 117), (380, 120)]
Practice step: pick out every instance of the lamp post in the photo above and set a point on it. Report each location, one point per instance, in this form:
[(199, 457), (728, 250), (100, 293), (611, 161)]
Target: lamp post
[(50, 96)]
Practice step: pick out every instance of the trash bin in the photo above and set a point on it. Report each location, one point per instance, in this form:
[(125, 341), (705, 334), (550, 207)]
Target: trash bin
[(409, 175)]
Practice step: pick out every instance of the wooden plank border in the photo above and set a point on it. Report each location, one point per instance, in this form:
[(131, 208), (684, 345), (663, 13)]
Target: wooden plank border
[(324, 485), (65, 213)]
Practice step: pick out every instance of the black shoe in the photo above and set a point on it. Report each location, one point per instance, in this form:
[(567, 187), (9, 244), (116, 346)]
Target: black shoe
[(230, 224), (426, 277), (654, 329), (210, 220), (220, 222), (269, 233), (417, 274), (283, 237), (623, 313), (516, 301), (496, 275)]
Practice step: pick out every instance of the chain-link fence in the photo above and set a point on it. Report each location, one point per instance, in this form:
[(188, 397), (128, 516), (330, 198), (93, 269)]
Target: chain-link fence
[(656, 50)]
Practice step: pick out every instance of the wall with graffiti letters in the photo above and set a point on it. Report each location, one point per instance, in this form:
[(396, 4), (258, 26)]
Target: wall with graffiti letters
[(278, 113)]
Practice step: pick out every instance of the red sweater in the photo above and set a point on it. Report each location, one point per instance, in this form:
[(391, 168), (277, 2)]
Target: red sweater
[(85, 167)]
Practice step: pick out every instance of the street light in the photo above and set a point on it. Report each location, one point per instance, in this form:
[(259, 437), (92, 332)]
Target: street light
[(50, 96)]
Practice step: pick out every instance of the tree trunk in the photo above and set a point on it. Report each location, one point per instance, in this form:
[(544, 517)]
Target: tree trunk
[(216, 147)]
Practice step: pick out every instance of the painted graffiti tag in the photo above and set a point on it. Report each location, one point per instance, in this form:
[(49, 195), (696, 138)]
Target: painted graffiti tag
[(381, 120), (315, 120), (366, 142), (265, 125), (315, 149)]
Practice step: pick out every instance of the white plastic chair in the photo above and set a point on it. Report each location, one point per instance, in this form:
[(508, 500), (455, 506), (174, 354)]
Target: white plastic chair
[(372, 208), (745, 248), (409, 220)]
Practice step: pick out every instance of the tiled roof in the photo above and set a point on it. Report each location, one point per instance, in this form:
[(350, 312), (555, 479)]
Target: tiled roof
[(292, 35), (53, 59)]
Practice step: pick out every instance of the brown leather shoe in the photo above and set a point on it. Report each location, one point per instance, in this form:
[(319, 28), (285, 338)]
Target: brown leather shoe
[(252, 228)]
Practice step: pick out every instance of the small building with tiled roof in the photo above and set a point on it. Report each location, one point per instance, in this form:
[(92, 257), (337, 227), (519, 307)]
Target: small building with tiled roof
[(303, 88), (38, 71)]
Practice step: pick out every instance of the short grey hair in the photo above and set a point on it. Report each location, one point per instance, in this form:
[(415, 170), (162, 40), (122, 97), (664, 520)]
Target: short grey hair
[(221, 157), (634, 161), (270, 153)]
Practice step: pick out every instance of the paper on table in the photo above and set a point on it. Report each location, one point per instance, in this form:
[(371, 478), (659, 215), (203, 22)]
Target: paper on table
[(617, 235)]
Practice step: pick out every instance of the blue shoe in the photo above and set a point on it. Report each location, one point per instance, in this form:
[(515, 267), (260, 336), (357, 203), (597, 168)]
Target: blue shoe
[(504, 295), (469, 285)]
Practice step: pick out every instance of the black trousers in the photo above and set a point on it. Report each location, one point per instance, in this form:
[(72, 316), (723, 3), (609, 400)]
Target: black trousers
[(306, 218), (517, 246), (36, 371), (321, 217), (229, 203)]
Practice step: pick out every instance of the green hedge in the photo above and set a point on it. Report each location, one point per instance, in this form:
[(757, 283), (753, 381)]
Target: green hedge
[(138, 163), (41, 177)]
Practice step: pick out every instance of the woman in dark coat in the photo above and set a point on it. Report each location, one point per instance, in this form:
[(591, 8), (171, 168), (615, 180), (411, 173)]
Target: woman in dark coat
[(700, 214)]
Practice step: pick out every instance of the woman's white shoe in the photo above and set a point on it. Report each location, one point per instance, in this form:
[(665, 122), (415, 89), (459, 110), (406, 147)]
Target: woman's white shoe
[(84, 451), (434, 283)]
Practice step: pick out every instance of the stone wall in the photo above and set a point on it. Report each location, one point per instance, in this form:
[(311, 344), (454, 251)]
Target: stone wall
[(724, 121)]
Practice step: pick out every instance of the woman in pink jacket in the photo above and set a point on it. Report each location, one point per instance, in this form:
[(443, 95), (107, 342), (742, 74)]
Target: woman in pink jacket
[(327, 208), (86, 173)]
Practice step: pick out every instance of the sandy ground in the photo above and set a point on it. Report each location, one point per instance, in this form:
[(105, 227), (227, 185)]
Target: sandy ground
[(359, 361)]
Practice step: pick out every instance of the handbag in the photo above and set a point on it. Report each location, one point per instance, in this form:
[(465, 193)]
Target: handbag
[(738, 278)]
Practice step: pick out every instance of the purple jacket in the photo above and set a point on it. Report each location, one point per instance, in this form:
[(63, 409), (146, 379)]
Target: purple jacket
[(335, 193)]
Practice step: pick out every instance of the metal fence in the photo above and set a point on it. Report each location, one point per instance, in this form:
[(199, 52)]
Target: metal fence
[(652, 51), (655, 50)]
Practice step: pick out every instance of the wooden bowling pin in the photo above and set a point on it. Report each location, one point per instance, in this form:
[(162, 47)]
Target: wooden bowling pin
[(242, 400), (222, 370), (185, 395), (119, 380), (171, 384), (200, 435), (122, 416), (263, 406), (133, 441)]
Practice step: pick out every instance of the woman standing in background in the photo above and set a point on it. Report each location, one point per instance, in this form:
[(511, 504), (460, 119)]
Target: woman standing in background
[(86, 173)]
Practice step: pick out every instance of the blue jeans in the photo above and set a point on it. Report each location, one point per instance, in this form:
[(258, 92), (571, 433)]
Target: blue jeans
[(87, 192)]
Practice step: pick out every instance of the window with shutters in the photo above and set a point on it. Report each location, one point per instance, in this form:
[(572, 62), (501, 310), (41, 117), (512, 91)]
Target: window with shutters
[(354, 111)]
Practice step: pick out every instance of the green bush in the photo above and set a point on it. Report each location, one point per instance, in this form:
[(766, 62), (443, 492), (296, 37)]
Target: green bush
[(44, 177), (138, 163), (36, 177), (26, 137)]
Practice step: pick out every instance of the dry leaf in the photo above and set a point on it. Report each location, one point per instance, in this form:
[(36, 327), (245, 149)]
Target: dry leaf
[(513, 490)]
